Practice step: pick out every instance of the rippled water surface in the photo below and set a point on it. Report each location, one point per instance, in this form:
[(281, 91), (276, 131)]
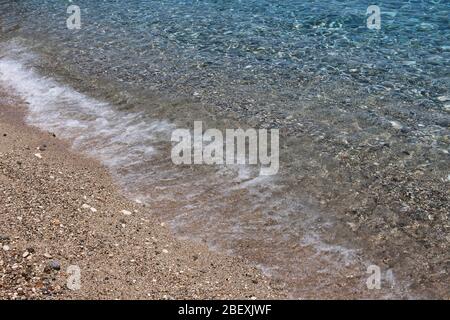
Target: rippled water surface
[(363, 114)]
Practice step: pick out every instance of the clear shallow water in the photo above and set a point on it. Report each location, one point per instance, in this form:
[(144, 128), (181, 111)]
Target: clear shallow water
[(312, 69)]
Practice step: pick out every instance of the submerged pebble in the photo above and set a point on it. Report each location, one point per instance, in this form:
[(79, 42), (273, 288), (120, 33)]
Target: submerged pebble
[(396, 125)]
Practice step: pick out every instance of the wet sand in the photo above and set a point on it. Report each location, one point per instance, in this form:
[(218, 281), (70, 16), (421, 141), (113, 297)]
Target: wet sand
[(60, 209)]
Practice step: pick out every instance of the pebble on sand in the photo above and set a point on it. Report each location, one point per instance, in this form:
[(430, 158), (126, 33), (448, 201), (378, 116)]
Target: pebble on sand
[(126, 212), (54, 264), (88, 207), (38, 155)]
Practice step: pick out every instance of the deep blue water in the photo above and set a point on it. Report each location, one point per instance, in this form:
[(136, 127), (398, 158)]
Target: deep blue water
[(257, 61), (274, 48)]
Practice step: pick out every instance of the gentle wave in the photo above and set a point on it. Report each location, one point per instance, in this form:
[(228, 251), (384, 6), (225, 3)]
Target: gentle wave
[(229, 207)]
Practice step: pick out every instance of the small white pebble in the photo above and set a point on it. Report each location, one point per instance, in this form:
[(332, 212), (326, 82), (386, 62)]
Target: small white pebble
[(126, 212), (165, 251), (38, 155), (396, 125), (6, 248)]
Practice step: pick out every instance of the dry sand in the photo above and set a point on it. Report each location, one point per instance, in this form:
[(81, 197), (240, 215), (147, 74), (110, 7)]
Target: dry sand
[(60, 209)]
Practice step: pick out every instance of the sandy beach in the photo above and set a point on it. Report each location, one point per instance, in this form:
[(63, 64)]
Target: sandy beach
[(61, 211)]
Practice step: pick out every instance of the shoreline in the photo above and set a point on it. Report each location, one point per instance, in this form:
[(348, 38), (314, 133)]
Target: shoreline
[(62, 209), (382, 239)]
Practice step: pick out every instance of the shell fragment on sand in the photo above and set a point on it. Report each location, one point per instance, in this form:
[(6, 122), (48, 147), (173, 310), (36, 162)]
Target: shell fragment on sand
[(88, 207)]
